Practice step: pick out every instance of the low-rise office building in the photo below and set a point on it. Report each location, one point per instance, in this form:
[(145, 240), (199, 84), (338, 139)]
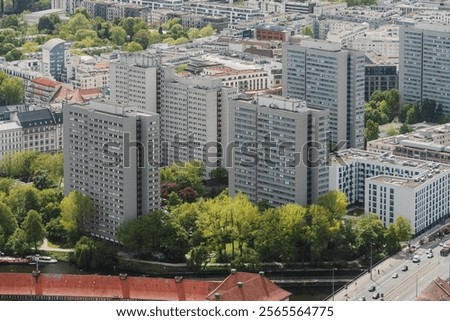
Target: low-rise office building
[(431, 143), (392, 186)]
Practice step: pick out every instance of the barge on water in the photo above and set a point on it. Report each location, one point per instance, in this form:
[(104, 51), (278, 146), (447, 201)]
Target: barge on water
[(15, 260)]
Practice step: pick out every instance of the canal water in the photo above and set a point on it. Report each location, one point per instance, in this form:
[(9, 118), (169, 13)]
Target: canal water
[(299, 292), (57, 268)]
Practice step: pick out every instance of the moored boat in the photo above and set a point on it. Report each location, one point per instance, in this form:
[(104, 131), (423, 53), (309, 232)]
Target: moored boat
[(14, 260), (42, 259)]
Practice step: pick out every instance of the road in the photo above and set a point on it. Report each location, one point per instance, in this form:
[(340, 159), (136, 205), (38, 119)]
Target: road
[(408, 284)]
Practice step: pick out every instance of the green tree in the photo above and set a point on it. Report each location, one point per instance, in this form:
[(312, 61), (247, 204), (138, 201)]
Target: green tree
[(321, 230), (133, 47), (193, 33), (17, 165), (207, 31), (41, 180), (403, 229), (371, 131), (132, 25), (184, 175), (6, 184), (181, 68), (8, 222), (173, 200), (10, 21), (34, 229), (392, 244), (13, 55), (431, 111), (307, 31), (82, 34), (4, 49), (55, 231), (281, 233), (369, 230), (12, 90), (78, 22), (82, 11), (17, 243), (91, 254), (30, 46), (142, 37), (46, 25), (76, 209), (156, 232), (2, 238), (413, 114), (154, 37), (219, 175), (405, 128), (336, 202), (177, 31), (393, 100), (22, 199), (118, 35), (187, 215), (181, 40), (169, 41), (51, 164), (243, 219), (392, 131)]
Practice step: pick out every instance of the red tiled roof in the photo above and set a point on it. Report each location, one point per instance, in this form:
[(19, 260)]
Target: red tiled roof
[(91, 92), (46, 82), (438, 290), (140, 288), (248, 287), (77, 95)]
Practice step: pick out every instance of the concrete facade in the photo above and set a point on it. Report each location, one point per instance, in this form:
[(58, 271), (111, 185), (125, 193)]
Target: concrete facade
[(329, 77), (191, 118), (424, 60), (101, 160), (135, 80), (280, 150)]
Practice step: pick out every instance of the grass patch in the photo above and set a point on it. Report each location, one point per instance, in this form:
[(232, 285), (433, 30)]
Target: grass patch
[(55, 246)]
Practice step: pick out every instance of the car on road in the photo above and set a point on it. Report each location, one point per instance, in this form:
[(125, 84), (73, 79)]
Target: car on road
[(430, 255), (441, 244), (416, 259), (405, 268), (372, 288), (395, 275), (363, 298), (429, 251), (376, 295)]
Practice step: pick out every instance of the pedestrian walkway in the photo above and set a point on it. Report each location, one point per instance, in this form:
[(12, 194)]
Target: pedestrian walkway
[(45, 247)]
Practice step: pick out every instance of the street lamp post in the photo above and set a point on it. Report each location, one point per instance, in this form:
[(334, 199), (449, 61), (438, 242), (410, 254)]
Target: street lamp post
[(332, 282), (371, 260)]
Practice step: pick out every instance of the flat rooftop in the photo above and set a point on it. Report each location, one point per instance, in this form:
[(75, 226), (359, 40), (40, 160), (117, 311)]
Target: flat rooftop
[(435, 138), (427, 169)]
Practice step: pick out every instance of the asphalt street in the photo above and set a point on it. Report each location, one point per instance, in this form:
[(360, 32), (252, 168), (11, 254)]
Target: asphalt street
[(407, 285)]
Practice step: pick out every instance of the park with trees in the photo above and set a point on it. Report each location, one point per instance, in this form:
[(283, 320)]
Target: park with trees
[(384, 108), (193, 226), (91, 35)]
